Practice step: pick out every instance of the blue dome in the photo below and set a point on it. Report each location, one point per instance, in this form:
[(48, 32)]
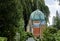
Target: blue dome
[(37, 15)]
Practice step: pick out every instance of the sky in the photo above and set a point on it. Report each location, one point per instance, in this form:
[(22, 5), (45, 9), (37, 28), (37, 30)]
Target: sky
[(53, 6)]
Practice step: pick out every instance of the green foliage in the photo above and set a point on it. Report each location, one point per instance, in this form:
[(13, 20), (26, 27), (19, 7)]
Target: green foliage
[(57, 36), (49, 34), (25, 35), (3, 39), (9, 18), (56, 21)]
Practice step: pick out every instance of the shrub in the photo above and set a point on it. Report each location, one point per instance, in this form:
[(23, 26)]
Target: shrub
[(25, 36), (57, 35), (3, 39), (49, 34)]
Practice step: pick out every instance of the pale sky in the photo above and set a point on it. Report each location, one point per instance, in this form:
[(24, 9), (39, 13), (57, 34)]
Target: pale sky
[(53, 6)]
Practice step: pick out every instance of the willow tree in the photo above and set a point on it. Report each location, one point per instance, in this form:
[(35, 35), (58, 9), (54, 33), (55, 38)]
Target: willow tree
[(30, 5)]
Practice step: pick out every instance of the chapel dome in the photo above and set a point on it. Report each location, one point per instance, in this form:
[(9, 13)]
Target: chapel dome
[(37, 15)]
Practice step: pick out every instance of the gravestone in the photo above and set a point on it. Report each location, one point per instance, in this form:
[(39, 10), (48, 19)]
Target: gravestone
[(17, 37), (30, 39)]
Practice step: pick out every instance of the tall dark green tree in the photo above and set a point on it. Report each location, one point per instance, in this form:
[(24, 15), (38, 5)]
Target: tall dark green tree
[(9, 18), (56, 22)]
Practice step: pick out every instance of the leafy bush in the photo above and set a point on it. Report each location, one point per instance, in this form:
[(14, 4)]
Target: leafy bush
[(25, 36), (57, 36), (49, 34), (3, 39)]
